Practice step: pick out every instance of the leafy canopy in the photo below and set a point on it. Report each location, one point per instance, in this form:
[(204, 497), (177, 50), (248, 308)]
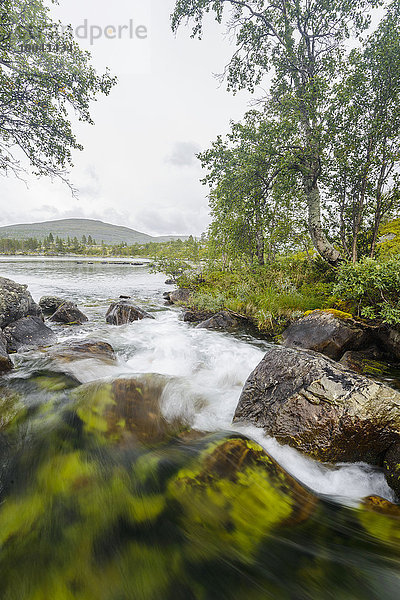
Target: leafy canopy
[(45, 80)]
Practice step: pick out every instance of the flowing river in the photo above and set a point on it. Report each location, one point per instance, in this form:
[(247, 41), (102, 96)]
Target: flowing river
[(88, 514)]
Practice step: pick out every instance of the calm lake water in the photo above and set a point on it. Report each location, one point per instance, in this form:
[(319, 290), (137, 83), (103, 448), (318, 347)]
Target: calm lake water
[(338, 550)]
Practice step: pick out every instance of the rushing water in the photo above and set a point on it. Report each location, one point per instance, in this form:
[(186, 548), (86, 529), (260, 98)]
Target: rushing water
[(204, 372)]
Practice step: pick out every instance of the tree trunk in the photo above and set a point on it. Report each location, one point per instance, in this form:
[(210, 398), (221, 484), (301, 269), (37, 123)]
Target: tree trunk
[(321, 244), (260, 247)]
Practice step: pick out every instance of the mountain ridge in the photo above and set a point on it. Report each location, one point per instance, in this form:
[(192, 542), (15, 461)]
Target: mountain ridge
[(74, 227)]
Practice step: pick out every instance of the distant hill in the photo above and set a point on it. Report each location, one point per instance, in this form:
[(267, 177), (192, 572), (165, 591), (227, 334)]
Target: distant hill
[(64, 228)]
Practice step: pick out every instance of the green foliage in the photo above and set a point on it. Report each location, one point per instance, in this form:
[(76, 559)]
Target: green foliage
[(389, 239), (303, 44), (270, 296), (372, 288), (254, 200), (44, 78), (362, 174)]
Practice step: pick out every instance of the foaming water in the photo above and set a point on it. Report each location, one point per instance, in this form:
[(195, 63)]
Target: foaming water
[(208, 369)]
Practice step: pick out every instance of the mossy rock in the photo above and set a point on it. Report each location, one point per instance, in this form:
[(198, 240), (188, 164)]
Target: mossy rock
[(126, 409), (339, 314), (91, 508)]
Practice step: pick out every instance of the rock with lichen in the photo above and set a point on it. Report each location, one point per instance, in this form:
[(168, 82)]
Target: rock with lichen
[(15, 302), (329, 332), (320, 408)]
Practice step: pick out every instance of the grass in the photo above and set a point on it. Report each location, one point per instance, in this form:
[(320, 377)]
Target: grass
[(270, 296)]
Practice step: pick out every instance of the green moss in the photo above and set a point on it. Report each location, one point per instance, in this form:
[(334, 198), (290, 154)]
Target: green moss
[(336, 313)]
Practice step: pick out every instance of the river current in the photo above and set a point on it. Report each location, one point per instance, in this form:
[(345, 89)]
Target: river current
[(206, 371)]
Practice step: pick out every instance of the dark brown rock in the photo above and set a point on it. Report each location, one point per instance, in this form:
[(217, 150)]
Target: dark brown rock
[(124, 311), (83, 349), (389, 338), (317, 406), (194, 316), (49, 304), (15, 302), (327, 332), (221, 320), (28, 333), (70, 314), (392, 467), (368, 362), (5, 361), (126, 410)]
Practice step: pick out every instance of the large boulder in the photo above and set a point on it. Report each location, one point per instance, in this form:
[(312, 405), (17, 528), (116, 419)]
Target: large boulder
[(5, 361), (321, 408), (70, 314), (180, 296), (125, 311), (330, 332), (221, 320), (28, 333), (15, 302), (49, 304)]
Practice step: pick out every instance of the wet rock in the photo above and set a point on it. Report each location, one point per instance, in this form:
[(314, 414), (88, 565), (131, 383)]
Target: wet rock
[(5, 361), (319, 407), (382, 506), (124, 311), (365, 362), (194, 316), (70, 314), (180, 296), (389, 338), (221, 320), (15, 302), (330, 332), (49, 304), (391, 466), (28, 333), (83, 349), (128, 409)]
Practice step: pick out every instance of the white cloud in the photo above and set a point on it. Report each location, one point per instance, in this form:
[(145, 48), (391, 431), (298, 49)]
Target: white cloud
[(166, 97)]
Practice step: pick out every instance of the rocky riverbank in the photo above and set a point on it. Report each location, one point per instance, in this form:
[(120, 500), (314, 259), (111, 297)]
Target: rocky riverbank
[(309, 392)]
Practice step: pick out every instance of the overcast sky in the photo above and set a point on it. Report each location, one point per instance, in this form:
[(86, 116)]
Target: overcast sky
[(138, 167)]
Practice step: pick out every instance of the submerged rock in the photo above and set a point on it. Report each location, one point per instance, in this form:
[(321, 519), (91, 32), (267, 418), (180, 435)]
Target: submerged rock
[(124, 311), (69, 314), (317, 406), (28, 333), (5, 361), (221, 320), (15, 302), (83, 349), (128, 409), (49, 304), (365, 362), (330, 332)]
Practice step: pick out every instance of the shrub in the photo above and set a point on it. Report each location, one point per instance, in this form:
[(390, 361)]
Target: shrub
[(372, 288)]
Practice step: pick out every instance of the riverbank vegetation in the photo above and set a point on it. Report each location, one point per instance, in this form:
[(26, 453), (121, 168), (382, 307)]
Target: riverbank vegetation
[(304, 191)]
